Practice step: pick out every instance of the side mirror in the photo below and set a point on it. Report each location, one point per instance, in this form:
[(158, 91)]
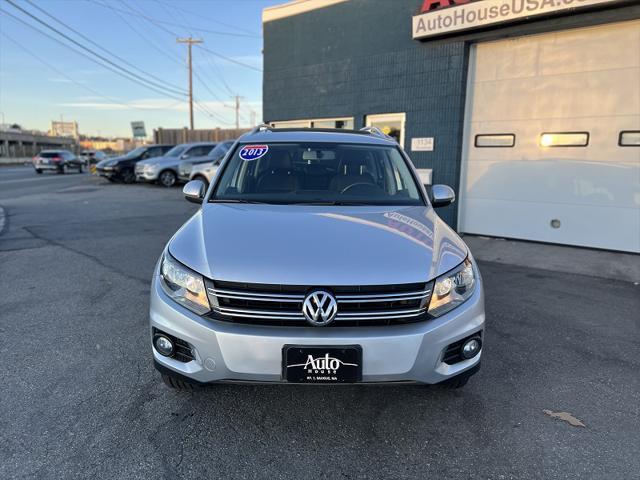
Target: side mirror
[(194, 191), (442, 195), (184, 155)]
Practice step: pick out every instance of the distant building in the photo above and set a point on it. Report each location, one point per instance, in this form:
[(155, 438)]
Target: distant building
[(17, 143), (184, 135), (113, 145), (64, 129)]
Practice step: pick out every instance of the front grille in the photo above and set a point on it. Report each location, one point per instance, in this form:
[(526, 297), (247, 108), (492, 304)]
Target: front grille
[(266, 304)]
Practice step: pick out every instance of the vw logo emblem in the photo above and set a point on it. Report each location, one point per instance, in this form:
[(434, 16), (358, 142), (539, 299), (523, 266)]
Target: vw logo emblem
[(320, 308)]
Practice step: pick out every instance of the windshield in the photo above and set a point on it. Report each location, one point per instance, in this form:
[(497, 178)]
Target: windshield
[(136, 152), (317, 173), (219, 150), (51, 154), (176, 151)]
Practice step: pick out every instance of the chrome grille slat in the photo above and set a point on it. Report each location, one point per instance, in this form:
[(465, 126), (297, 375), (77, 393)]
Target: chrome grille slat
[(381, 313), (264, 317), (385, 317), (384, 296), (239, 311), (275, 297)]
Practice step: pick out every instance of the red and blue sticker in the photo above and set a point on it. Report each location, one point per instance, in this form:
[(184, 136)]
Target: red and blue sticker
[(253, 152)]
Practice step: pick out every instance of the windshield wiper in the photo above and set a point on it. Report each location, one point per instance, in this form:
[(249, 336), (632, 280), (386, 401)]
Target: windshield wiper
[(234, 200), (333, 203)]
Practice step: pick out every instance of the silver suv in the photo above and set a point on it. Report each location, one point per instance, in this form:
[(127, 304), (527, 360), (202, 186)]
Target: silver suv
[(316, 257)]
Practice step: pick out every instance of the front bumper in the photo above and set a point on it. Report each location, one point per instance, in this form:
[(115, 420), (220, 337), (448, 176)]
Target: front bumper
[(253, 353), (146, 175), (47, 166), (107, 172)]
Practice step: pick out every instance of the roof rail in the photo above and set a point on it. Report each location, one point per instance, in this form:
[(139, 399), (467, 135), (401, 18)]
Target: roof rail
[(261, 128), (377, 132)]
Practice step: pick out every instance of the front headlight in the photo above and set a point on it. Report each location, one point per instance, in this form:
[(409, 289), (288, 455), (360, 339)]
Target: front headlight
[(184, 285), (452, 289)]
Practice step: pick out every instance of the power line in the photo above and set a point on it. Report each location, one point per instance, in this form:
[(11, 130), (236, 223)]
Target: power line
[(178, 89), (159, 22), (217, 73), (210, 61), (80, 84), (232, 60), (141, 80), (108, 67), (202, 108), (137, 31), (209, 19)]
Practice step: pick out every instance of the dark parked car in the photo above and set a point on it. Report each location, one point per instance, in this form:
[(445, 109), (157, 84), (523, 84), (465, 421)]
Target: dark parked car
[(91, 157), (122, 169), (59, 161)]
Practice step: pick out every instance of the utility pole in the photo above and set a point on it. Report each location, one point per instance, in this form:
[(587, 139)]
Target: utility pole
[(236, 107), (190, 42)]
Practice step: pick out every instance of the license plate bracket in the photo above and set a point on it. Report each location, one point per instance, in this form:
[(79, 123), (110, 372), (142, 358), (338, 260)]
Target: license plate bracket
[(322, 364)]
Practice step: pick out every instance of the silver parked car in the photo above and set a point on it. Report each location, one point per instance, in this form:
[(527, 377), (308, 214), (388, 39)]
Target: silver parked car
[(164, 170), (316, 257), (199, 165)]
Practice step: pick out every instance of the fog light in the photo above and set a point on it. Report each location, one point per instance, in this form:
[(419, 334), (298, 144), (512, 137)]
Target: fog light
[(163, 345), (470, 348)]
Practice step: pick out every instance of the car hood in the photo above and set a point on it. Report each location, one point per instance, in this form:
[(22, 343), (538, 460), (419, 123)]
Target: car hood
[(161, 161), (317, 245)]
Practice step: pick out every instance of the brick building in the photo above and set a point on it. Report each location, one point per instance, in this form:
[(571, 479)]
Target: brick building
[(530, 109)]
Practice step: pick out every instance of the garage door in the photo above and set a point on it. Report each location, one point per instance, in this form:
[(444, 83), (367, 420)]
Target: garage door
[(552, 138)]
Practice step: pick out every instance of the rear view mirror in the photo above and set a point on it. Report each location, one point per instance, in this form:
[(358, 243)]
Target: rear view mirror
[(442, 195), (194, 191)]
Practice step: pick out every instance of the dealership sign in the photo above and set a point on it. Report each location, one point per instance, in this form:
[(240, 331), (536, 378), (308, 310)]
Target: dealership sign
[(435, 18)]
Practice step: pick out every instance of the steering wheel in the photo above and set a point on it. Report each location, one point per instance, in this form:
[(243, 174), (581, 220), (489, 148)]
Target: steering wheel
[(361, 188)]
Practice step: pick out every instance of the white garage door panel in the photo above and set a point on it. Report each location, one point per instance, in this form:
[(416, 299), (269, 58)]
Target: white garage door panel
[(589, 184), (573, 81), (586, 225), (559, 96), (571, 51)]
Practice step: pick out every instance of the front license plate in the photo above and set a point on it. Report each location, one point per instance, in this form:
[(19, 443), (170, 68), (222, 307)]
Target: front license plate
[(305, 364)]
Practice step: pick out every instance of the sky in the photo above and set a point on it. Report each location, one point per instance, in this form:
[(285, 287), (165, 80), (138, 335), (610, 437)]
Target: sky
[(43, 80)]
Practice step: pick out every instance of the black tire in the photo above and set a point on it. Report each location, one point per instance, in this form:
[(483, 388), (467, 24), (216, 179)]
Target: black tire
[(38, 171), (203, 180), (128, 176), (167, 178), (177, 384), (62, 169)]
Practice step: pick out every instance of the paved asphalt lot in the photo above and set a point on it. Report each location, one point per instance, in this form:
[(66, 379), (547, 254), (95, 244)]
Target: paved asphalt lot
[(80, 397)]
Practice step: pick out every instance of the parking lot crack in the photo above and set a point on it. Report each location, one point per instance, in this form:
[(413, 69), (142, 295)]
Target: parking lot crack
[(93, 258)]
